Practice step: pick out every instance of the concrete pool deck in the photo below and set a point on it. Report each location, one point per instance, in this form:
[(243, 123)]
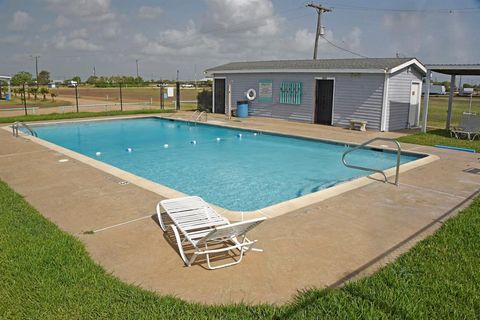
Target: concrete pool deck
[(320, 245)]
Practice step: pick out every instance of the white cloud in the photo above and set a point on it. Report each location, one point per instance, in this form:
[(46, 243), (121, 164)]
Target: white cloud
[(353, 40), (20, 21), (233, 28), (242, 16), (61, 21), (11, 39), (97, 10), (79, 33), (110, 31), (147, 12), (304, 40), (140, 38), (416, 34), (76, 43)]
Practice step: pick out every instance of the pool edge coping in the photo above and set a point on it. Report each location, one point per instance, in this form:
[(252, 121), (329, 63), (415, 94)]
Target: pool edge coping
[(269, 212)]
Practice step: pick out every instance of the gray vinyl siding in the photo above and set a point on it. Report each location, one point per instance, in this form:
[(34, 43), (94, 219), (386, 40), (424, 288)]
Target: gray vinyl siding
[(399, 97), (242, 82), (357, 96)]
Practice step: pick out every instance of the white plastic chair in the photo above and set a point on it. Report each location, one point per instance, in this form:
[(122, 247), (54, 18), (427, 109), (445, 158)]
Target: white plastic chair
[(197, 224)]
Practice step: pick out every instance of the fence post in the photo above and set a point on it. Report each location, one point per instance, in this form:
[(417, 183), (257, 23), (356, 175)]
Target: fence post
[(24, 99), (162, 103), (121, 98), (177, 105), (76, 96)]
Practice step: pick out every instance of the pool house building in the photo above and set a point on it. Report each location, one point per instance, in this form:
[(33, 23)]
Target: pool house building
[(384, 93)]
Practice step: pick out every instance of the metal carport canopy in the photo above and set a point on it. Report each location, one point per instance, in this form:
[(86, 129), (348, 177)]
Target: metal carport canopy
[(453, 70)]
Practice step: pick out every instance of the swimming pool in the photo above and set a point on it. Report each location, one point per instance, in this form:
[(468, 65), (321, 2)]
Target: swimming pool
[(235, 169)]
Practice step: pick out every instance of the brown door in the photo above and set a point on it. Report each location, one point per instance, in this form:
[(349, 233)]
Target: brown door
[(324, 102), (219, 95)]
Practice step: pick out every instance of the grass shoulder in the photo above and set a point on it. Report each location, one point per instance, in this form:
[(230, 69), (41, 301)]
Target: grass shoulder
[(440, 137)]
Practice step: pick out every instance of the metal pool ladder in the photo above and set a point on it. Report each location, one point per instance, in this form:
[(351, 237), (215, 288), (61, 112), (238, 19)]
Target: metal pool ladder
[(363, 145), (17, 124), (197, 116)]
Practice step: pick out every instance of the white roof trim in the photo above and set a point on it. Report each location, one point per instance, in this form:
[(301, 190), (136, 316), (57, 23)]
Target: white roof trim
[(5, 77), (408, 63), (296, 71)]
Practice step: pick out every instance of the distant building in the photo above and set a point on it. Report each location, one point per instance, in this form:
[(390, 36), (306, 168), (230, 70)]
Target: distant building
[(466, 92), (435, 90), (8, 94)]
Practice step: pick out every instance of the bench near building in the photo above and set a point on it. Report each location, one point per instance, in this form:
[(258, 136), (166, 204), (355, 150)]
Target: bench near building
[(383, 93)]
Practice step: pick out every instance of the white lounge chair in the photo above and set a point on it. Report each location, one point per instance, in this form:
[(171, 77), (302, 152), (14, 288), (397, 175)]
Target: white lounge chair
[(197, 224), (468, 127)]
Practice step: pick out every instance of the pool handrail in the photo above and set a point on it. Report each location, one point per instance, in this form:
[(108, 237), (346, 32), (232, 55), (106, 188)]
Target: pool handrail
[(15, 126), (399, 152)]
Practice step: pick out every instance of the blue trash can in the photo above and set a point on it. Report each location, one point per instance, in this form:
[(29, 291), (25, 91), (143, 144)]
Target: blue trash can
[(7, 97), (242, 109)]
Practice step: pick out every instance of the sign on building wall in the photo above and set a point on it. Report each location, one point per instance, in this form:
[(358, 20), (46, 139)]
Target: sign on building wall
[(265, 91), (291, 92)]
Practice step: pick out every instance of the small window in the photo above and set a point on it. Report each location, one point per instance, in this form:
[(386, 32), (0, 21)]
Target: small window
[(291, 92)]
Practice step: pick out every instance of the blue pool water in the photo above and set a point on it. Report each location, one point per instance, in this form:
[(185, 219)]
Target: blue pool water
[(238, 173)]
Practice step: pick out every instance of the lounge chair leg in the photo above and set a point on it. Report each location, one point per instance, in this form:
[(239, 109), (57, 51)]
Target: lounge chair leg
[(179, 244), (160, 220)]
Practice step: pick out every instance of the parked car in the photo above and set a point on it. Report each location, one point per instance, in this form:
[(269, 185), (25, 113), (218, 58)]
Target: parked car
[(72, 84)]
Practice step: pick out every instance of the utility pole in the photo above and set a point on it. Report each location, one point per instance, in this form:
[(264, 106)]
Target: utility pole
[(320, 9), (136, 62), (195, 71), (94, 73)]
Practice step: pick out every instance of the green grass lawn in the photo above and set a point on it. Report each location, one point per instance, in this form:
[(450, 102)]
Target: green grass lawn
[(440, 137), (46, 273), (77, 115), (438, 106)]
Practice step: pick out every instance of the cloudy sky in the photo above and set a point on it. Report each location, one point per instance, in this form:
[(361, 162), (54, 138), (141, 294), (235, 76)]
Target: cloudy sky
[(73, 36)]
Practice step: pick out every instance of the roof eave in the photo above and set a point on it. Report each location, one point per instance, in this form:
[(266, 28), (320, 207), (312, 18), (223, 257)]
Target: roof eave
[(415, 62), (212, 72)]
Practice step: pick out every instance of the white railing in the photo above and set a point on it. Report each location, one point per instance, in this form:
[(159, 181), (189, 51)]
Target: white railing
[(363, 145), (198, 115)]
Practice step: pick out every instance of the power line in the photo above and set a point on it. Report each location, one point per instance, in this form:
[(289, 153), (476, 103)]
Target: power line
[(343, 49), (431, 10)]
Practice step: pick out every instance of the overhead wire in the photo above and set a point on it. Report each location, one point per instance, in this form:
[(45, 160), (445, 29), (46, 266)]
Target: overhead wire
[(423, 11), (342, 48)]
